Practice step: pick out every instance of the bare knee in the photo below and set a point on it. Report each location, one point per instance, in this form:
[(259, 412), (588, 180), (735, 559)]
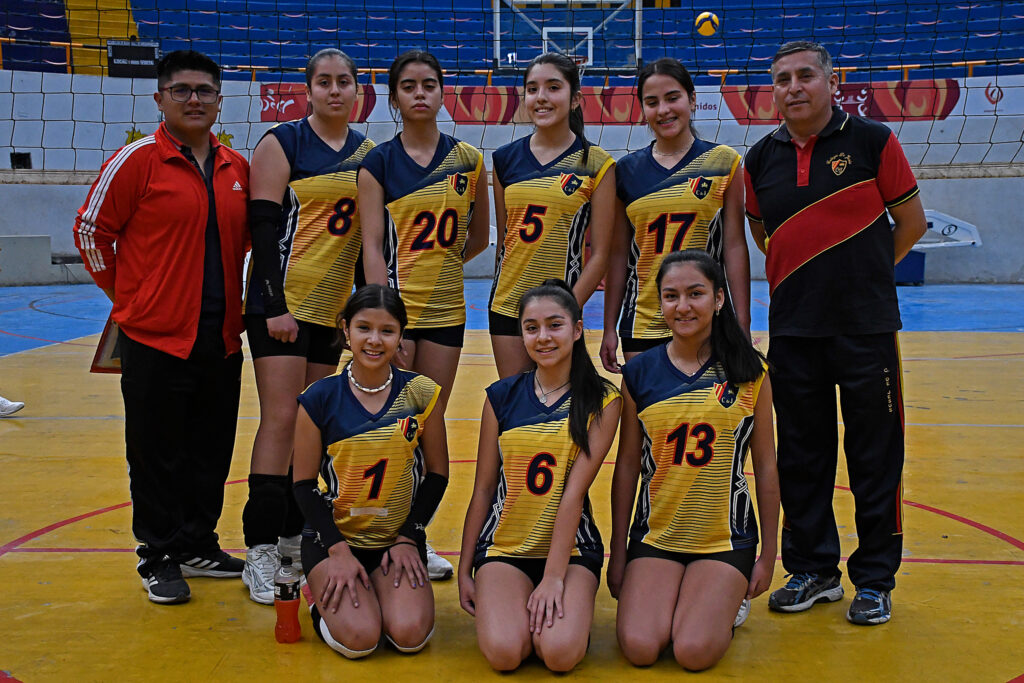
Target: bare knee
[(410, 635), (505, 655), (563, 657), (641, 649), (698, 651)]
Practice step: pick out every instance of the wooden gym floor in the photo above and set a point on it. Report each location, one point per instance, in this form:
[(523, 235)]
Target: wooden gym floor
[(73, 608)]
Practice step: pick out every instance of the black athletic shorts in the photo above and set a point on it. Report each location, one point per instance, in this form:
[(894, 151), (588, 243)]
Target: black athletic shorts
[(533, 567), (743, 559), (315, 343), (634, 345), (313, 554), (453, 335), (503, 325)]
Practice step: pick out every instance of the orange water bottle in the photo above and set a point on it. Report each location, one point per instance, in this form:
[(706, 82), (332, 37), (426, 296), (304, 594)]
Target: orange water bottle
[(286, 602)]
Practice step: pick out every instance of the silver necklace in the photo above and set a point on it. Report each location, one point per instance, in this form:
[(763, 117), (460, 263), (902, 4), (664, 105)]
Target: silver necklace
[(370, 390), (544, 394), (654, 150)]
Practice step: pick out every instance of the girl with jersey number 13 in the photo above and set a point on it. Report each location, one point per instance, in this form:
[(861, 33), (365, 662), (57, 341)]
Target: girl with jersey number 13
[(424, 210), (373, 433), (692, 409), (531, 552), (550, 188)]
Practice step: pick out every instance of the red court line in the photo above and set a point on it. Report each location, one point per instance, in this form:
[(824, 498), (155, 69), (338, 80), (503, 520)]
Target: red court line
[(8, 547)]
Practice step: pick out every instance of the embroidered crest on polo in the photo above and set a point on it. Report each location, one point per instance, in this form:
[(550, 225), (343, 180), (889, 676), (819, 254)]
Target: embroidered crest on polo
[(839, 163)]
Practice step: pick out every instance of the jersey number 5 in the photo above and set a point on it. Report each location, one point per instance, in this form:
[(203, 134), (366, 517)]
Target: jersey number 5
[(532, 219), (705, 435), (659, 226), (447, 229), (376, 472), (539, 476)]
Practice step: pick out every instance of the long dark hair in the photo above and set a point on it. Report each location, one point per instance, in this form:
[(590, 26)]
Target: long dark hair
[(571, 73), (742, 362), (373, 296), (588, 387), (411, 57), (674, 69)]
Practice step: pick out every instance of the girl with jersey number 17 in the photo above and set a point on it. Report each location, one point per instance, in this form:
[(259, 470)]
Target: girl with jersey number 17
[(679, 192), (531, 552), (550, 189), (423, 204), (692, 409), (365, 430), (306, 241)]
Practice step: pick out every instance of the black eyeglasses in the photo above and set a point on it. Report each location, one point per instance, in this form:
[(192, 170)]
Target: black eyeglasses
[(183, 93)]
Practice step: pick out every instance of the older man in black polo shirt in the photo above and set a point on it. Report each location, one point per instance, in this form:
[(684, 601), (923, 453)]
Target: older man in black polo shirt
[(818, 189)]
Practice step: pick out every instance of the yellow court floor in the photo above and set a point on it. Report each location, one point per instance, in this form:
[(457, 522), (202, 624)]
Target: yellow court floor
[(73, 607)]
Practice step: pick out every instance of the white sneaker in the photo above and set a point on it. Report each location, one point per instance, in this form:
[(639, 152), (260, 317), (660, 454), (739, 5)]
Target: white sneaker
[(438, 568), (261, 564), (742, 615), (291, 546), (9, 407)]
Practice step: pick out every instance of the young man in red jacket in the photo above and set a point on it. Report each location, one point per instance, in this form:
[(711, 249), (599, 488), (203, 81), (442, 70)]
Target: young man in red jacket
[(175, 205)]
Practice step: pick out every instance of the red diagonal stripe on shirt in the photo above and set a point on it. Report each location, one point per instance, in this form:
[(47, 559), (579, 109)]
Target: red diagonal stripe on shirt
[(821, 226)]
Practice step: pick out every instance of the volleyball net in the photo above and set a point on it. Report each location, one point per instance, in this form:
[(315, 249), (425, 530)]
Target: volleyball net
[(948, 77)]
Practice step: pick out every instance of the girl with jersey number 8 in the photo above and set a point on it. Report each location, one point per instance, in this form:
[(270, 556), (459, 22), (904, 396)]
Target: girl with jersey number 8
[(692, 409), (306, 242), (529, 534), (550, 188), (423, 204), (364, 429), (679, 192)]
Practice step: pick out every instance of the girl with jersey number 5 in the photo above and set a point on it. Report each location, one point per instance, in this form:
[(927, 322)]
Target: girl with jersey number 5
[(306, 241), (679, 192), (364, 429), (529, 534), (692, 409), (549, 189), (423, 204)]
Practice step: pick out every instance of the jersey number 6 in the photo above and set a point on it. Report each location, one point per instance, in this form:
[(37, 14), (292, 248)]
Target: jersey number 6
[(705, 435), (539, 476)]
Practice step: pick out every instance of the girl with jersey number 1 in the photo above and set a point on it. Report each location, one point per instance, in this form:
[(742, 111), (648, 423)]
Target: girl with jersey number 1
[(530, 536), (550, 187), (423, 203), (679, 192), (306, 241), (692, 409), (364, 430)]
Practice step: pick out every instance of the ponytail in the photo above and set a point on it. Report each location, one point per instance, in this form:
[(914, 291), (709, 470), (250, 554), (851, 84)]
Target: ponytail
[(588, 388)]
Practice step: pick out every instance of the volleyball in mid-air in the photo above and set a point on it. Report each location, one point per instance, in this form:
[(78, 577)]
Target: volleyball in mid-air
[(706, 23)]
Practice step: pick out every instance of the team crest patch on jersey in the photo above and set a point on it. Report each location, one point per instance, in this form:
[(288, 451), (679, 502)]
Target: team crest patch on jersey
[(725, 394), (408, 427), (839, 163), (700, 186), (570, 182), (460, 183)]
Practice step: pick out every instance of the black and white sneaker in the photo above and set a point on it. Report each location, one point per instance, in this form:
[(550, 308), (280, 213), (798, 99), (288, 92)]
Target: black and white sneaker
[(870, 607), (216, 563), (803, 590), (163, 581)]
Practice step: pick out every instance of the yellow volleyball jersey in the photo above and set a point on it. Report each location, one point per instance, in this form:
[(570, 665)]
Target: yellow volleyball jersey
[(693, 494), (427, 215), (537, 453), (547, 209), (319, 238), (669, 210), (371, 463)]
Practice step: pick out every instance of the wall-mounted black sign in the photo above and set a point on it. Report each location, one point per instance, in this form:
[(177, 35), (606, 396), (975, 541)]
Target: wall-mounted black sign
[(132, 59)]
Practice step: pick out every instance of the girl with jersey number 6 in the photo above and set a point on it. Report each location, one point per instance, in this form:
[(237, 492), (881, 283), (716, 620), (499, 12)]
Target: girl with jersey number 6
[(305, 244), (529, 534), (364, 429), (550, 188), (692, 409), (423, 204)]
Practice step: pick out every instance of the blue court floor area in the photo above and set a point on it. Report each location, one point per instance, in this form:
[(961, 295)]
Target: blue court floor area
[(31, 317)]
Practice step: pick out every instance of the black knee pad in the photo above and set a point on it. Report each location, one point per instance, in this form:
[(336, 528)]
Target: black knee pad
[(264, 512), (293, 519)]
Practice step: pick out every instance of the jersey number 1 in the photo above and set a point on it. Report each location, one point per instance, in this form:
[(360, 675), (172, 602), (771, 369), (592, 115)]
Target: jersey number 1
[(376, 472)]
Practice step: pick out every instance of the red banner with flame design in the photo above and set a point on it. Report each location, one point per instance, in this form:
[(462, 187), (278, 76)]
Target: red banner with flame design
[(287, 102)]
